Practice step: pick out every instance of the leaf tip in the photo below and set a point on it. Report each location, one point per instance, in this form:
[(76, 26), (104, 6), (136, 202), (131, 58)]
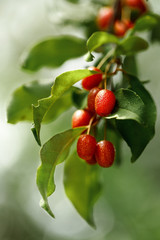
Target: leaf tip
[(92, 223), (89, 57), (134, 158), (46, 207), (37, 138), (23, 60)]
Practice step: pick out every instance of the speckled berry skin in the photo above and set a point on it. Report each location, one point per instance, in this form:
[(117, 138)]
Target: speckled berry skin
[(91, 98), (104, 17), (104, 102), (92, 81), (86, 147), (120, 28), (105, 153), (139, 4), (81, 118)]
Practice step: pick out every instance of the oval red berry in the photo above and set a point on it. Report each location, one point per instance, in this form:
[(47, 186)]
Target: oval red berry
[(81, 118), (120, 28), (91, 98), (104, 102), (137, 4), (92, 81), (92, 161), (105, 17), (105, 153), (86, 147)]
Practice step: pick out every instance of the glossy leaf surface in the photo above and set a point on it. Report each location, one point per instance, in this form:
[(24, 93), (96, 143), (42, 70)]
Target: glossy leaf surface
[(62, 83), (128, 106), (99, 38), (138, 135)]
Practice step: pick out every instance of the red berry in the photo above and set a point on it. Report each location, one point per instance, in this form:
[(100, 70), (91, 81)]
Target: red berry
[(86, 147), (128, 23), (92, 161), (105, 153), (120, 28), (92, 81), (81, 118), (104, 102), (91, 98), (137, 4), (104, 17)]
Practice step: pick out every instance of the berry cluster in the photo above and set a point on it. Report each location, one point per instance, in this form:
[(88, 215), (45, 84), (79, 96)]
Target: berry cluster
[(101, 103), (118, 22)]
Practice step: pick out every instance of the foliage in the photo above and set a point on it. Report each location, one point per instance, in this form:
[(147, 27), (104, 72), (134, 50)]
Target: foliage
[(133, 118)]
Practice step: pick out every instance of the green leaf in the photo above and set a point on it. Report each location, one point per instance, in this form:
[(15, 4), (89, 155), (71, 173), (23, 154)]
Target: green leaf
[(135, 134), (131, 45), (150, 108), (128, 106), (79, 97), (20, 106), (114, 136), (89, 57), (155, 33), (61, 105), (82, 186), (53, 52), (146, 22), (99, 38), (130, 65), (52, 153), (62, 83)]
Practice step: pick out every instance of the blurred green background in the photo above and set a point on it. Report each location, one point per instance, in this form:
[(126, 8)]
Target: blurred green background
[(129, 207)]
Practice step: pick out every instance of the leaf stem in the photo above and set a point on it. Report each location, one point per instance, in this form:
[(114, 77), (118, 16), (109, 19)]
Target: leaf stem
[(117, 70), (90, 124), (106, 57), (106, 72), (105, 81)]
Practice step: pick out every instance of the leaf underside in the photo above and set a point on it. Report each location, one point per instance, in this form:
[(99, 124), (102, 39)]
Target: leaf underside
[(20, 106), (52, 153)]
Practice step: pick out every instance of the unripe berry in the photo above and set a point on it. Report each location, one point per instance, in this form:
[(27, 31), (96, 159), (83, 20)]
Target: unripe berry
[(104, 17), (137, 4), (92, 81), (86, 147), (81, 118), (120, 28), (104, 102), (91, 98), (105, 153)]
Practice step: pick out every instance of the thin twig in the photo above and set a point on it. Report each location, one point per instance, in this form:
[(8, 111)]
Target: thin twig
[(89, 125), (106, 57)]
